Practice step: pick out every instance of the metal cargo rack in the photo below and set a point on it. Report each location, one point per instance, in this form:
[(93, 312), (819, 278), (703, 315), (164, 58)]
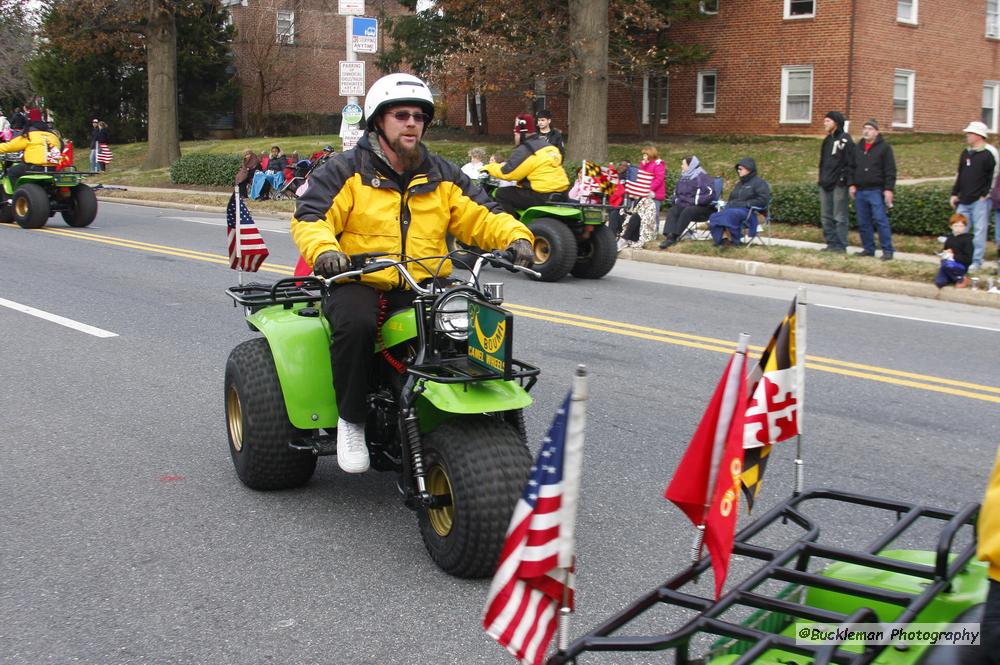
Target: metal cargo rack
[(285, 292), (790, 565)]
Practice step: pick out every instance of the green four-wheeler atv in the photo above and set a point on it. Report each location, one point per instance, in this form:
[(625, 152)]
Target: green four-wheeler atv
[(36, 196), (570, 238), (797, 605), (445, 407)]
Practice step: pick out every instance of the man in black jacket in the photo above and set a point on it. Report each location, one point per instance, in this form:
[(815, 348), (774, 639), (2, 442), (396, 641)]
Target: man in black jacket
[(751, 191), (970, 193), (872, 184), (546, 131), (836, 163)]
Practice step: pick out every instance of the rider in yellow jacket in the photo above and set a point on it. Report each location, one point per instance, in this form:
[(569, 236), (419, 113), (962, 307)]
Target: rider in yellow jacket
[(41, 145), (388, 194), (536, 166), (988, 549)]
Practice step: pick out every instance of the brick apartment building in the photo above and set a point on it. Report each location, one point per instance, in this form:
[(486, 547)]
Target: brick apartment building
[(287, 54), (777, 67)]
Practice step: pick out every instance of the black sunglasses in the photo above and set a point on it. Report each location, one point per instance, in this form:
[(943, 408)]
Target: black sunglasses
[(404, 116)]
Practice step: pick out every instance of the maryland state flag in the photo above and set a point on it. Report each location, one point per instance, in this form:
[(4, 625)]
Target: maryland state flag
[(773, 409)]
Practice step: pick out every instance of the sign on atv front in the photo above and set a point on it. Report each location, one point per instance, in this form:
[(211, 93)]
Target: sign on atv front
[(491, 337)]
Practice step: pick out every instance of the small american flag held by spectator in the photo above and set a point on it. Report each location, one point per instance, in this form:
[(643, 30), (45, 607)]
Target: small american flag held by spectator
[(639, 187), (247, 250), (535, 574)]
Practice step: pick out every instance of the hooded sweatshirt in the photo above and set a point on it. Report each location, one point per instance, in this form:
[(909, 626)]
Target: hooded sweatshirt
[(694, 187), (751, 190), (836, 159)]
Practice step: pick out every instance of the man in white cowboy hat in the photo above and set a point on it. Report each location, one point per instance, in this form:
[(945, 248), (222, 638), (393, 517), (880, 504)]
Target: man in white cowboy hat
[(970, 194)]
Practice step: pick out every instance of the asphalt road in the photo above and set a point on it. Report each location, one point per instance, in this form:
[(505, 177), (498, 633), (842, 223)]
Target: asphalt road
[(127, 538)]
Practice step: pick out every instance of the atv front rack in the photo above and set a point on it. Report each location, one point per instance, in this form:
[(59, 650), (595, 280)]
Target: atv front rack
[(462, 370), (790, 566), (284, 292)]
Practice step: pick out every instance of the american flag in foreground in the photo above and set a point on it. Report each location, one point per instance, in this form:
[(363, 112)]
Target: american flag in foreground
[(535, 574), (247, 250)]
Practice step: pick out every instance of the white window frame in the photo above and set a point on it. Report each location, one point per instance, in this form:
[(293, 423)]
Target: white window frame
[(914, 11), (710, 12), (230, 3), (701, 108), (281, 36), (993, 19), (785, 71), (790, 17), (468, 108), (912, 84), (995, 94), (647, 98)]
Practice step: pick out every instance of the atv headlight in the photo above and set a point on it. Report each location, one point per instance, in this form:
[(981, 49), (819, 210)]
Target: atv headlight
[(451, 316)]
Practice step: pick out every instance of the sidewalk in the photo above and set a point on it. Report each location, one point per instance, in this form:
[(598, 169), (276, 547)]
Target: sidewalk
[(739, 266)]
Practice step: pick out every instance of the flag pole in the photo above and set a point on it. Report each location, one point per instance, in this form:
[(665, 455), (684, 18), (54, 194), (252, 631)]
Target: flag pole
[(800, 385), (721, 433), (572, 468), (236, 237)]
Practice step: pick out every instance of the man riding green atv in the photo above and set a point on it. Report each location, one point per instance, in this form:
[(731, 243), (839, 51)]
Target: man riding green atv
[(35, 189), (569, 238)]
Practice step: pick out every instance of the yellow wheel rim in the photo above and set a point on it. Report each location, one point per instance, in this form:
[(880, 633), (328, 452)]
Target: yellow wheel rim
[(542, 250), (438, 484), (21, 207), (234, 417)]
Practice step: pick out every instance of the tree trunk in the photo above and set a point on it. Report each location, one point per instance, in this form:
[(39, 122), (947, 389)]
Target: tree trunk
[(588, 88), (161, 61)]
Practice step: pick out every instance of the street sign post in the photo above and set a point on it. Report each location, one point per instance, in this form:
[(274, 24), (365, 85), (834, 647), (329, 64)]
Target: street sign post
[(352, 78), (364, 34)]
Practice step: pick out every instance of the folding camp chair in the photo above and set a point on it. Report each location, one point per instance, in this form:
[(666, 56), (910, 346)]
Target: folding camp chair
[(693, 232), (756, 218)]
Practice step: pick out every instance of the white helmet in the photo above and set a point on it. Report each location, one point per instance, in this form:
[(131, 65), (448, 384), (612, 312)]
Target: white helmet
[(397, 89)]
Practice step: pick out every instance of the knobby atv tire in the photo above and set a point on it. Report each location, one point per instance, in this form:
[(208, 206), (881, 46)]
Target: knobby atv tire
[(484, 463), (84, 207), (257, 422), (596, 256), (31, 206), (555, 249)]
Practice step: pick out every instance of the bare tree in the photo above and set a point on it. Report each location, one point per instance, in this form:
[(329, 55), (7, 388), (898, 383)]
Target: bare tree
[(16, 51)]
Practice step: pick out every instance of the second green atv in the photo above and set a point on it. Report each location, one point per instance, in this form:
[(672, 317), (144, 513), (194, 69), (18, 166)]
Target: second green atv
[(36, 196)]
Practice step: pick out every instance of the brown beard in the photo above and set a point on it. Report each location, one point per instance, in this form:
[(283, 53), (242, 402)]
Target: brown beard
[(409, 159)]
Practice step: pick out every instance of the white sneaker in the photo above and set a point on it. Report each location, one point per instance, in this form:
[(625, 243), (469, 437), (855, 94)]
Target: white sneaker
[(352, 453)]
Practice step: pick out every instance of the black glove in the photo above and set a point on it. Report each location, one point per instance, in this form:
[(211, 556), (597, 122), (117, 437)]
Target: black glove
[(331, 264), (524, 253)]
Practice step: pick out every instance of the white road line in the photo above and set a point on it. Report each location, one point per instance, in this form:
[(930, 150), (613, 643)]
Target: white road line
[(908, 318), (55, 318)]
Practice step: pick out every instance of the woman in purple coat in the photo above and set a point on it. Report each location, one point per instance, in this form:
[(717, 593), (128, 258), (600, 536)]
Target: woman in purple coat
[(694, 198)]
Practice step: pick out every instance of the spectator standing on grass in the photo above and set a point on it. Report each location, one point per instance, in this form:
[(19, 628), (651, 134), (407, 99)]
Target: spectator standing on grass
[(995, 204), (872, 187), (104, 155), (836, 164), (970, 194), (543, 120), (957, 255), (751, 191), (651, 163)]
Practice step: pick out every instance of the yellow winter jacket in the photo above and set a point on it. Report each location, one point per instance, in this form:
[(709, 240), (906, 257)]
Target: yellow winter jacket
[(36, 145), (989, 523), (536, 165), (355, 203)]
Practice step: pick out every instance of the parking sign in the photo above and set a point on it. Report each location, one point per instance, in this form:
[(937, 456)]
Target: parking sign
[(352, 78), (364, 35)]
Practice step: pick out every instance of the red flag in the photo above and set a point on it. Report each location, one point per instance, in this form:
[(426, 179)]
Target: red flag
[(247, 250), (722, 426), (302, 268), (535, 575)]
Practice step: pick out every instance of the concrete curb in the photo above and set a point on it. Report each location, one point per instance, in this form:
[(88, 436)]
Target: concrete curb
[(814, 276), (738, 266)]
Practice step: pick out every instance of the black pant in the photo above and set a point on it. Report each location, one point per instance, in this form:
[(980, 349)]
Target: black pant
[(513, 199), (678, 218), (624, 224), (990, 639), (352, 310)]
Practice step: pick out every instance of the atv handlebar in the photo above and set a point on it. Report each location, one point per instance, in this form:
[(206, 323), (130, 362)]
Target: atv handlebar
[(370, 262)]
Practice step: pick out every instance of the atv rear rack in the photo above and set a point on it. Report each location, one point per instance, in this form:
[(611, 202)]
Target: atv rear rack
[(790, 565), (285, 292)]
